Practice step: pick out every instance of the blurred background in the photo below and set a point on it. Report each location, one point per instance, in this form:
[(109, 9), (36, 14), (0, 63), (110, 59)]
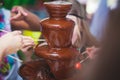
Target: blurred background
[(36, 6)]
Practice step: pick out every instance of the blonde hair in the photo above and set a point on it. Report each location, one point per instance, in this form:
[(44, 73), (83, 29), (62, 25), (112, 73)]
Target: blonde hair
[(84, 37)]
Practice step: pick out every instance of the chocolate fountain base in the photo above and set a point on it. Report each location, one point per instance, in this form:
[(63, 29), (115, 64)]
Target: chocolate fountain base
[(36, 70), (39, 70)]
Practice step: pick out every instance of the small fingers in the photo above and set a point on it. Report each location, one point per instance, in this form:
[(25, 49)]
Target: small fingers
[(16, 16), (22, 11), (28, 41)]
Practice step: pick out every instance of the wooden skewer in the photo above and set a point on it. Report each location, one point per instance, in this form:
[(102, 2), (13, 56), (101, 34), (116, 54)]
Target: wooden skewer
[(34, 40), (39, 40), (84, 53), (84, 59)]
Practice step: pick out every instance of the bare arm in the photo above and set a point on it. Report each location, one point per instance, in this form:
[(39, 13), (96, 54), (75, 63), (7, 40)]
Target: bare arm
[(23, 19), (10, 43), (14, 41)]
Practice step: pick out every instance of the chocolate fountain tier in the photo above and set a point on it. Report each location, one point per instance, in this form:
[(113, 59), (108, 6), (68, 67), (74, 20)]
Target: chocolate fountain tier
[(56, 53), (62, 61), (58, 9), (58, 33), (36, 70), (57, 29)]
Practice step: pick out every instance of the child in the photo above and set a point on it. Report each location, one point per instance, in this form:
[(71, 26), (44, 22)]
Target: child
[(82, 37)]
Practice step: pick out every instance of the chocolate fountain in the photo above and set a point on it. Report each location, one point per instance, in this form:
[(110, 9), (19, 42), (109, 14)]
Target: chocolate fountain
[(58, 59)]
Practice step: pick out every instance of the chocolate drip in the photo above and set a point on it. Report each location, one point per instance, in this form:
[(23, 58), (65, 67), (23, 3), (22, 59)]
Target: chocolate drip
[(59, 56)]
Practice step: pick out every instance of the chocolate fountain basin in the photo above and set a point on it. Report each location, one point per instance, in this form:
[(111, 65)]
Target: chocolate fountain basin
[(61, 61), (52, 65), (36, 70)]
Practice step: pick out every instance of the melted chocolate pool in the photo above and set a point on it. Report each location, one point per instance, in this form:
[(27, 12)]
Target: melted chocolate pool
[(36, 70)]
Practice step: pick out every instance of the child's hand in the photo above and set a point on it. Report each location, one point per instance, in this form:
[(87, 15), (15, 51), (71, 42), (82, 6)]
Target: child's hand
[(19, 13), (28, 43), (24, 19), (92, 52), (11, 42)]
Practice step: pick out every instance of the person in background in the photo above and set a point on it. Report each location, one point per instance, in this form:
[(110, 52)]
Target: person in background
[(82, 38), (38, 9), (97, 27), (106, 65)]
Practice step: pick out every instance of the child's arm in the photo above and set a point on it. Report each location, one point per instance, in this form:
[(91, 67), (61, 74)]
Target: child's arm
[(23, 19)]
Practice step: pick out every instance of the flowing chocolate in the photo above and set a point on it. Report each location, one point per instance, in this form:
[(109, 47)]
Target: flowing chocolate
[(59, 56), (60, 60), (58, 29)]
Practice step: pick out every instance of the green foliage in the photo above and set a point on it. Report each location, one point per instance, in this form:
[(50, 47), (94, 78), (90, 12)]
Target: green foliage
[(10, 3)]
